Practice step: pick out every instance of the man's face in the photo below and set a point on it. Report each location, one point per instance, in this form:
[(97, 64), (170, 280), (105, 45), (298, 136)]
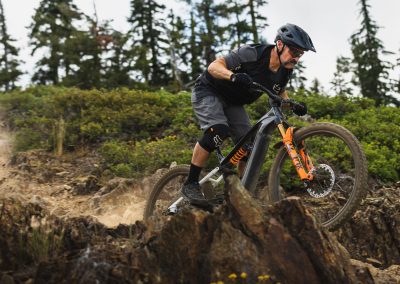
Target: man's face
[(290, 55)]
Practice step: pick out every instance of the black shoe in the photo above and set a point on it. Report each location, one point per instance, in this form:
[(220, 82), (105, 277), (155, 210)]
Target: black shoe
[(193, 193), (217, 200)]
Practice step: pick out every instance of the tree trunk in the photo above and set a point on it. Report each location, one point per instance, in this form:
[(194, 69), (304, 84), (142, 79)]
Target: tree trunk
[(60, 135)]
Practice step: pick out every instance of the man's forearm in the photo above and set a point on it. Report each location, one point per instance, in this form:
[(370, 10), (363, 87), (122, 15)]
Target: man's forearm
[(284, 95), (218, 69)]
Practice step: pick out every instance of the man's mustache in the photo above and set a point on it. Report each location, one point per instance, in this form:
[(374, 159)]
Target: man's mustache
[(292, 61)]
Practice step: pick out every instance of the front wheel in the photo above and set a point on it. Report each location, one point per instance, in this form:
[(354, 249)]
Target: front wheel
[(340, 182)]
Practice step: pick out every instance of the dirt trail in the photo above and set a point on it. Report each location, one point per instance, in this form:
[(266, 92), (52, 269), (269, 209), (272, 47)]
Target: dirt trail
[(123, 204)]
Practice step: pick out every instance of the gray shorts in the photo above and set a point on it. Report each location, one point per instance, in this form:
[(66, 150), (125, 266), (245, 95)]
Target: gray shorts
[(211, 110)]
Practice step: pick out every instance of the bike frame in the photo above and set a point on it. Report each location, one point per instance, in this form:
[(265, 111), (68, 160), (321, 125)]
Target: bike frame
[(262, 133)]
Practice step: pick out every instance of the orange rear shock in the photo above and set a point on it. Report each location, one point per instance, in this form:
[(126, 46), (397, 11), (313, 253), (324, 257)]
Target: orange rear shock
[(238, 156), (291, 150)]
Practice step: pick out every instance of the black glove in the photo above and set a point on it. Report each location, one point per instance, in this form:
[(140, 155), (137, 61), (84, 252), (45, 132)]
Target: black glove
[(241, 79), (300, 109)]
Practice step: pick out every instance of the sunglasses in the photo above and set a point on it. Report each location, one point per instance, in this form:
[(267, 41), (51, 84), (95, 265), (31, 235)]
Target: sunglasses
[(295, 52)]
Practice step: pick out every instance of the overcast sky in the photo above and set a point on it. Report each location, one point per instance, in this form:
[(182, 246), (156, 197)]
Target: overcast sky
[(329, 23)]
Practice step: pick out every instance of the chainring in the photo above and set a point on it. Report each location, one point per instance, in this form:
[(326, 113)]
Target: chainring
[(323, 182)]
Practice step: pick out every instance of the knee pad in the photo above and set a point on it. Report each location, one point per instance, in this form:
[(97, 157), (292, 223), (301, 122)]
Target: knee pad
[(214, 136)]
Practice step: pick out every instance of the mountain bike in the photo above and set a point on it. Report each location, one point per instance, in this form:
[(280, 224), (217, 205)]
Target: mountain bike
[(322, 163)]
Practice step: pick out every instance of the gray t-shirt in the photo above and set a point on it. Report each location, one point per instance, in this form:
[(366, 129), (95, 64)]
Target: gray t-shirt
[(253, 60)]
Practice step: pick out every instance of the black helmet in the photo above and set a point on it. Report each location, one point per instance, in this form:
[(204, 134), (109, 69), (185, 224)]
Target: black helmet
[(293, 35)]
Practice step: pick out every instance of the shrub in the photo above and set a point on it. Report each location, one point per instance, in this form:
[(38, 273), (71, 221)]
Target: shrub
[(141, 131), (145, 156)]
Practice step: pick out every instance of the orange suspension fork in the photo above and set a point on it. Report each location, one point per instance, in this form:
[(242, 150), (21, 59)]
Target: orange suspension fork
[(287, 136)]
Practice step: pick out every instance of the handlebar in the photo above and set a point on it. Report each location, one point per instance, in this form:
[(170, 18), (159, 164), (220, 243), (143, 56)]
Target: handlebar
[(274, 97)]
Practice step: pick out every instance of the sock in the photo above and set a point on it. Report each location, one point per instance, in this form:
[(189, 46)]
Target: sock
[(194, 174)]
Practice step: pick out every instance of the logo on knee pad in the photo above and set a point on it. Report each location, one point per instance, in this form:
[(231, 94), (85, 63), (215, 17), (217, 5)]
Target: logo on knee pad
[(218, 141)]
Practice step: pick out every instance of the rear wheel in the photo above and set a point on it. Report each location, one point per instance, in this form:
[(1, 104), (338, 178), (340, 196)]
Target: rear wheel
[(166, 191), (341, 174)]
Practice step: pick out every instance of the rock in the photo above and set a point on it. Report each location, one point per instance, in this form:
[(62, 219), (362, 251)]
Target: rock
[(374, 230), (374, 262), (370, 274), (85, 185), (62, 174), (6, 279), (283, 242), (241, 238)]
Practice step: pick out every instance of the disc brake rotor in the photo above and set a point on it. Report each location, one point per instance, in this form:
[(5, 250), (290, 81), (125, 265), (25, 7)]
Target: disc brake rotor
[(322, 184)]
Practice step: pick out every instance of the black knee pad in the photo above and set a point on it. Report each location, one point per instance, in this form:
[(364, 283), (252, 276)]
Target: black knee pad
[(214, 136)]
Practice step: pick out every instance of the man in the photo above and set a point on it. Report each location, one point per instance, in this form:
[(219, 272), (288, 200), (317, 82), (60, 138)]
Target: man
[(221, 91)]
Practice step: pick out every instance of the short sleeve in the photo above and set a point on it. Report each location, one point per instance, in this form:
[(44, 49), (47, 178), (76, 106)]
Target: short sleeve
[(235, 58)]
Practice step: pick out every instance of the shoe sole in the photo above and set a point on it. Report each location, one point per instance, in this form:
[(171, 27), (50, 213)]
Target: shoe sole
[(197, 202)]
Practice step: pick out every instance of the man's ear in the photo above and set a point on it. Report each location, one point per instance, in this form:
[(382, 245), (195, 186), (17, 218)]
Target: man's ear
[(279, 44)]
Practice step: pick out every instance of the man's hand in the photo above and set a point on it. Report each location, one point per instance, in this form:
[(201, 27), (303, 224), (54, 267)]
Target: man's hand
[(300, 109), (242, 79)]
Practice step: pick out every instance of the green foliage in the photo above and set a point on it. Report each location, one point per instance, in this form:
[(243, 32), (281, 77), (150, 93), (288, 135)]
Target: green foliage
[(148, 32), (41, 245), (51, 29), (341, 84), (91, 116), (325, 107), (378, 129), (371, 71), (144, 156), (141, 131), (9, 63)]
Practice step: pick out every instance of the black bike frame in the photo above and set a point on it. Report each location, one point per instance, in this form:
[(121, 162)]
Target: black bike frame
[(262, 133)]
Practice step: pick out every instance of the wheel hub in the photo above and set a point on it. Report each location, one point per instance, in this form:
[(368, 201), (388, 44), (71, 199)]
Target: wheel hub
[(322, 184)]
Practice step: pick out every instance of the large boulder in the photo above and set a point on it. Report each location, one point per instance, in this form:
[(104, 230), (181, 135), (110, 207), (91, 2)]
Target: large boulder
[(240, 240), (373, 234)]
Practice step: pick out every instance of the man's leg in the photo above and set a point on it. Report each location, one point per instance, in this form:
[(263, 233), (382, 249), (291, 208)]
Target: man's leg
[(209, 111), (212, 138), (199, 160)]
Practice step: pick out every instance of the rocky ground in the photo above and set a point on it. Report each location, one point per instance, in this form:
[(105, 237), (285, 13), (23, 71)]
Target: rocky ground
[(62, 221)]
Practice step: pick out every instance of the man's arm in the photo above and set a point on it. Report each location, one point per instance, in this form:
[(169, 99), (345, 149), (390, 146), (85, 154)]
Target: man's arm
[(218, 69), (284, 95)]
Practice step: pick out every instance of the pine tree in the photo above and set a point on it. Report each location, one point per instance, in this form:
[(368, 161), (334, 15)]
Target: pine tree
[(119, 63), (178, 54), (341, 84), (240, 30), (148, 33), (316, 86), (396, 83), (211, 32), (371, 71), (52, 27), (9, 63), (206, 36), (84, 51), (258, 22), (195, 49)]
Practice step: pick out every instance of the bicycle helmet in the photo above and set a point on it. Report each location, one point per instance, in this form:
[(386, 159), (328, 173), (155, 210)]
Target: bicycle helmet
[(293, 35)]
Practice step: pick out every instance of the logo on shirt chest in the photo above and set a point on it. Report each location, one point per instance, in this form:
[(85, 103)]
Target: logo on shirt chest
[(277, 88)]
